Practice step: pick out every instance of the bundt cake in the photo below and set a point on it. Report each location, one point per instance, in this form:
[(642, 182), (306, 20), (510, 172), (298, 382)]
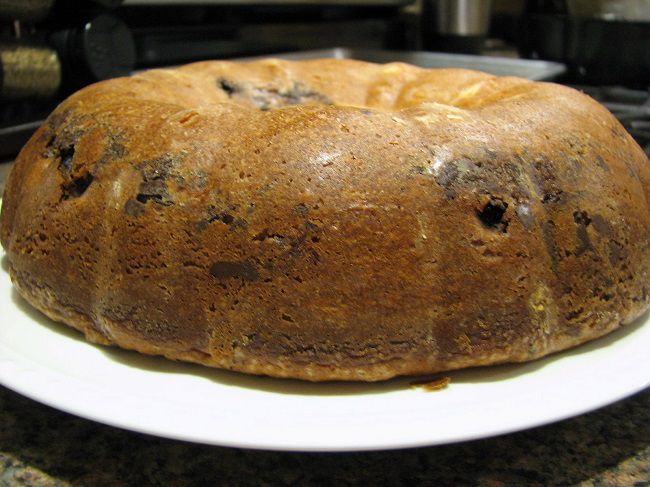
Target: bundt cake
[(331, 219)]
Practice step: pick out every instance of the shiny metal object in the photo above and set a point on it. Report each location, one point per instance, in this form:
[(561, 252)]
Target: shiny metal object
[(28, 72), (460, 17), (523, 68)]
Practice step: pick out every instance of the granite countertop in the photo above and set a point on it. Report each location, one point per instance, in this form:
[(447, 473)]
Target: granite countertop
[(40, 446)]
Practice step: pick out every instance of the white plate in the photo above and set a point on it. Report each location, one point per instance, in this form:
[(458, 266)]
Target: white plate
[(54, 365)]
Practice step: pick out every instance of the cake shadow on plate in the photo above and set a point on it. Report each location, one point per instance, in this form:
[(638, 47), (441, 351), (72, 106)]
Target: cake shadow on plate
[(159, 364)]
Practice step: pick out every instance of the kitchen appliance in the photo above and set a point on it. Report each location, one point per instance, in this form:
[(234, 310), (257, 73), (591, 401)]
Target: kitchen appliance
[(455, 25), (601, 42)]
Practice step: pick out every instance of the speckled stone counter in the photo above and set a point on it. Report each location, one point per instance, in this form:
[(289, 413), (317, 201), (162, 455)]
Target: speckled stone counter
[(40, 446)]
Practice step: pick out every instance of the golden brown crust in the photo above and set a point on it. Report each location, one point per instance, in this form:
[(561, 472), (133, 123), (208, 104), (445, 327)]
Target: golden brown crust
[(331, 219)]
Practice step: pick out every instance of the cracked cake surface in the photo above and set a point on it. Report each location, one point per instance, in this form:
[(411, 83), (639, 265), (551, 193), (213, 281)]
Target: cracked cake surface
[(331, 219)]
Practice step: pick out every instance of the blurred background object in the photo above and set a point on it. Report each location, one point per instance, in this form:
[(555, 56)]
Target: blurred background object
[(28, 71), (626, 10), (50, 48), (455, 25), (25, 10), (601, 42)]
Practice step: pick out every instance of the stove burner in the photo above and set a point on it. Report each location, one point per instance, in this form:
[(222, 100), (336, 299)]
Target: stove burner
[(631, 107)]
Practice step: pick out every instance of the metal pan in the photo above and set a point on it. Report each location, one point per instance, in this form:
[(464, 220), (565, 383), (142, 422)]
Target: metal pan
[(524, 68)]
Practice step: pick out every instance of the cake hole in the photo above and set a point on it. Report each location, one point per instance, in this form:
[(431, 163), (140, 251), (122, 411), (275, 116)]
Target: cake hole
[(66, 154), (286, 317), (492, 215), (581, 218), (227, 86), (552, 197), (77, 186), (143, 198)]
